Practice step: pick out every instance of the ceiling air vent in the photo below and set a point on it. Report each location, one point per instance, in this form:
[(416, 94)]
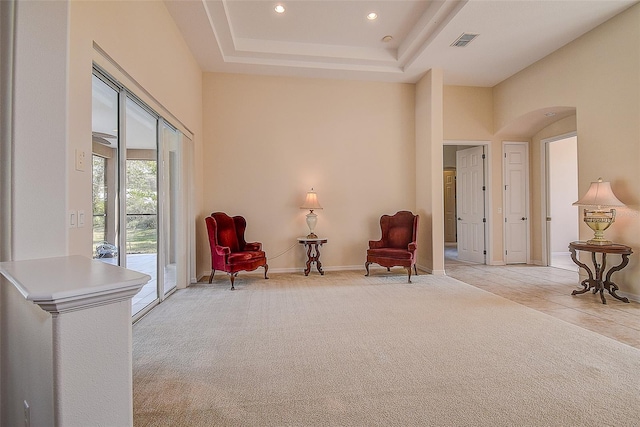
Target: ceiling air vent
[(464, 40)]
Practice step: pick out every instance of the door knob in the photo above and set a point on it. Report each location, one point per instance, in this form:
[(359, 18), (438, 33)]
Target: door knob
[(524, 219), (459, 219)]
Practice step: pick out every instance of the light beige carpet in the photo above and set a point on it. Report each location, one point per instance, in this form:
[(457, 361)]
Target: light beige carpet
[(347, 350)]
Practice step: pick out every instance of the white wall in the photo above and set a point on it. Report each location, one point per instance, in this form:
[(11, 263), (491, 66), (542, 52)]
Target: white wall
[(27, 375), (52, 113), (39, 201), (41, 130)]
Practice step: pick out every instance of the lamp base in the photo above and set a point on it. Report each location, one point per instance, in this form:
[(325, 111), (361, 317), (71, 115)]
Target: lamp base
[(312, 220), (599, 221), (599, 242)]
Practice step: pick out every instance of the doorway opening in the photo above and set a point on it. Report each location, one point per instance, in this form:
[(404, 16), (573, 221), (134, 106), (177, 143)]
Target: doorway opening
[(466, 190), (562, 219)]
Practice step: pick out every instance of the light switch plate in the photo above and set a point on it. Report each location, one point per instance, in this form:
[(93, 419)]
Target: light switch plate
[(73, 219), (80, 160)]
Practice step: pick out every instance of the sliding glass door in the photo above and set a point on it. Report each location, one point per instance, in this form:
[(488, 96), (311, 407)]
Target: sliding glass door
[(105, 170), (141, 199), (172, 218), (137, 206)]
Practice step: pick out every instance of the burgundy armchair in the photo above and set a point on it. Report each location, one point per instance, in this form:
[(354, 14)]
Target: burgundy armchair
[(398, 244), (229, 251)]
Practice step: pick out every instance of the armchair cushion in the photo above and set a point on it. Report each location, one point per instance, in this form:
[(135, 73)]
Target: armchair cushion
[(392, 253), (243, 257)]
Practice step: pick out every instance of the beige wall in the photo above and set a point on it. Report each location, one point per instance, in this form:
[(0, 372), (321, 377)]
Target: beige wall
[(429, 156), (468, 118), (599, 76), (268, 140), (147, 46), (468, 113)]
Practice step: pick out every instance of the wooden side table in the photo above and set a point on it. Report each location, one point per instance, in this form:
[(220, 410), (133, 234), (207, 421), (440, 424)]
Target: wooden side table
[(596, 282), (315, 256)]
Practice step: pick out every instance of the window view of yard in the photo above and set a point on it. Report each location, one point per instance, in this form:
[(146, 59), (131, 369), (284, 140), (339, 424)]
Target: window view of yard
[(141, 208), (142, 202)]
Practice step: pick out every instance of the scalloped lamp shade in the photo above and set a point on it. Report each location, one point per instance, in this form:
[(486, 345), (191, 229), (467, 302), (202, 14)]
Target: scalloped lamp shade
[(599, 197)]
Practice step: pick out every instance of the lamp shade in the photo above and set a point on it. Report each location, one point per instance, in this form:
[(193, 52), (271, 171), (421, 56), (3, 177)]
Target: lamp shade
[(311, 202), (599, 195)]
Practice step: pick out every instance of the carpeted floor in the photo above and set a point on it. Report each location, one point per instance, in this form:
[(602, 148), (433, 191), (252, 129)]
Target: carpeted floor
[(349, 350)]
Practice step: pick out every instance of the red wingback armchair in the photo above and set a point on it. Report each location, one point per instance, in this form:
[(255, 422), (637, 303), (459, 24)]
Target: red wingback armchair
[(398, 244), (229, 251)]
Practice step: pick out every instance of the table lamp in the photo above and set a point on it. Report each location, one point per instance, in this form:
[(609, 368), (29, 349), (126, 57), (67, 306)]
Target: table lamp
[(311, 203), (601, 200)]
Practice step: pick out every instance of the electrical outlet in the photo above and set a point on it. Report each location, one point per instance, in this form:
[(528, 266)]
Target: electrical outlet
[(27, 414)]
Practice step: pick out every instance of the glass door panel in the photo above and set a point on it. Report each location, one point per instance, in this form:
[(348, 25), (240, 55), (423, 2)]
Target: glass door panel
[(141, 199), (171, 206), (105, 144)]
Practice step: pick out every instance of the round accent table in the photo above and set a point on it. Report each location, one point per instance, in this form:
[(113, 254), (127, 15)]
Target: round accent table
[(596, 282), (312, 244)]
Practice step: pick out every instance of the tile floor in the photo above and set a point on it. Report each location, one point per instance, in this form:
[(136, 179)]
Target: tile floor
[(548, 290), (146, 263)]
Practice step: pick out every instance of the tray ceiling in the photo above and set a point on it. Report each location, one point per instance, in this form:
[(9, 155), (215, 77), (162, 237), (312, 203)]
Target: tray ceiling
[(334, 39)]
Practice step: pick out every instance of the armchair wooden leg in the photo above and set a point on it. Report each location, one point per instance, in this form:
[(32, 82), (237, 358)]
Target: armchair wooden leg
[(232, 277), (415, 269), (409, 270), (211, 277), (366, 265), (266, 268), (388, 268)]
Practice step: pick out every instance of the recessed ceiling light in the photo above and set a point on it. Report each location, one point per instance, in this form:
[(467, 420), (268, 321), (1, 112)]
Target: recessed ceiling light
[(371, 16), (387, 39), (550, 114), (279, 8)]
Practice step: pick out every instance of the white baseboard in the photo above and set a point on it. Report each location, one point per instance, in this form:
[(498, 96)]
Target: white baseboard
[(632, 297), (260, 272)]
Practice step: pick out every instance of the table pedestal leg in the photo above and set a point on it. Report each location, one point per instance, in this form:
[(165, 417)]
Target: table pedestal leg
[(597, 283), (313, 257), (612, 287)]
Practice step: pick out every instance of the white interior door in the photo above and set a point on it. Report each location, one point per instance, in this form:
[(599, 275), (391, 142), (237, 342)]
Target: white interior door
[(516, 227), (470, 204)]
